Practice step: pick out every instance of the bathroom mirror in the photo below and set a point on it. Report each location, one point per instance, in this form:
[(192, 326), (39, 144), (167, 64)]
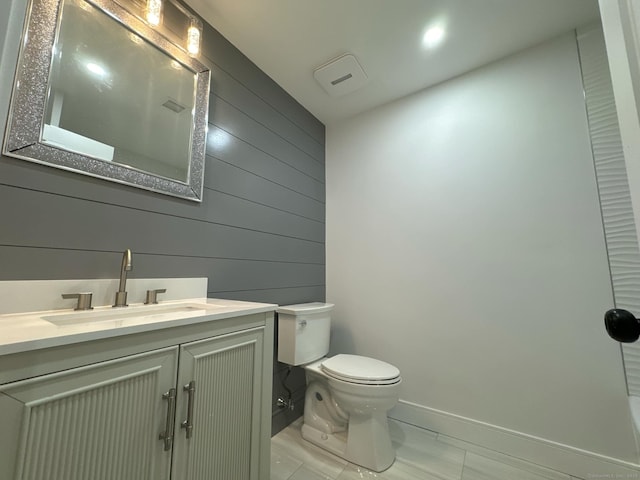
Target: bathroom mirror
[(100, 92)]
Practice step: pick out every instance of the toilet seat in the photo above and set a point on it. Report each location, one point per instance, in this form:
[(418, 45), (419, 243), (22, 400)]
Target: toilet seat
[(360, 370)]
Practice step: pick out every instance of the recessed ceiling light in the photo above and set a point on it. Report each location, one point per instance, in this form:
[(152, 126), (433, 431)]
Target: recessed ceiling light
[(433, 36), (96, 69)]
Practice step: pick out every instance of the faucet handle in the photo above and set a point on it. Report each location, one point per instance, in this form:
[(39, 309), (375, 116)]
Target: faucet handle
[(152, 296), (84, 300)]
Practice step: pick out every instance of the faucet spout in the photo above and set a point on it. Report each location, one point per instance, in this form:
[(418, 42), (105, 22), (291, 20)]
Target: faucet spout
[(126, 267), (121, 294)]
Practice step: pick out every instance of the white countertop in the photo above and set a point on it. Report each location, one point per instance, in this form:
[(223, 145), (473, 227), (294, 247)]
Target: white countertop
[(32, 331)]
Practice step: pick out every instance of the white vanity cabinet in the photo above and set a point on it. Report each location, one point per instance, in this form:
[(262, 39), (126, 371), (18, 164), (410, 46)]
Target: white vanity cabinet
[(109, 412), (92, 422), (215, 440)]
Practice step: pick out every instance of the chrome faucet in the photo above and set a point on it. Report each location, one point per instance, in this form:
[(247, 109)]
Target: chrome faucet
[(121, 294)]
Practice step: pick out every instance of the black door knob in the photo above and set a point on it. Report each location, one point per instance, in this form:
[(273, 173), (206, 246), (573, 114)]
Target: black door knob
[(622, 325)]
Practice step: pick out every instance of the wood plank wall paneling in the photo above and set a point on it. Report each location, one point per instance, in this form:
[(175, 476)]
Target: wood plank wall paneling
[(258, 235)]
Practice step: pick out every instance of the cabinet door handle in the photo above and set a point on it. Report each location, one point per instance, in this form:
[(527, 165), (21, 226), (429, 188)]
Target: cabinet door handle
[(167, 435), (190, 388)]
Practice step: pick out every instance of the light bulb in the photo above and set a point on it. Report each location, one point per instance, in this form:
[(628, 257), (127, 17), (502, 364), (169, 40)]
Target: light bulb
[(193, 37), (154, 12)]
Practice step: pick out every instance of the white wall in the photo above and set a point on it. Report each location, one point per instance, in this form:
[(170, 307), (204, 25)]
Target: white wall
[(465, 246)]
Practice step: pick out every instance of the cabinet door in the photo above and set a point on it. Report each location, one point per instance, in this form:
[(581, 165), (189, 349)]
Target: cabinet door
[(226, 408), (98, 422)]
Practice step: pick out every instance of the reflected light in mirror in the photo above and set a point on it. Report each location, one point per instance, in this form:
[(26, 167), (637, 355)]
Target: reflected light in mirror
[(218, 139), (96, 69), (154, 11), (135, 38)]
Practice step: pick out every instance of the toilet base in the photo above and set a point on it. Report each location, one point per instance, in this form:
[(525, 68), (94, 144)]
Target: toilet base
[(335, 443), (366, 444)]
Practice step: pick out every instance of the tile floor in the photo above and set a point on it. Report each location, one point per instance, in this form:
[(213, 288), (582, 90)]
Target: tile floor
[(420, 455)]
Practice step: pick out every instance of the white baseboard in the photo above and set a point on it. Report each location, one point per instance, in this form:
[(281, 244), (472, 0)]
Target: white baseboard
[(556, 456)]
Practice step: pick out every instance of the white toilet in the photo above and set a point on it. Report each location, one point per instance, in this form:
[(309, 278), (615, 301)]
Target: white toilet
[(348, 396)]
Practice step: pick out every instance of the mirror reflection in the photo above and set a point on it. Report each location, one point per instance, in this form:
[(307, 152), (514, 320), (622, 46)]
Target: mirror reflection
[(116, 97), (100, 91)]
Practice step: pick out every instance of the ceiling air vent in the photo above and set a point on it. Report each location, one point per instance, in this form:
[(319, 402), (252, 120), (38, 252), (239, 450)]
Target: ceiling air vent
[(173, 106), (341, 75)]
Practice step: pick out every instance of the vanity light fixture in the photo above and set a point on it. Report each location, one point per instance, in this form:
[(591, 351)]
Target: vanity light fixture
[(193, 36), (154, 12)]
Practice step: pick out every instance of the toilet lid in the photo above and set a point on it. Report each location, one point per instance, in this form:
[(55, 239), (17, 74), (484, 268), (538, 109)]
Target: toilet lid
[(357, 369)]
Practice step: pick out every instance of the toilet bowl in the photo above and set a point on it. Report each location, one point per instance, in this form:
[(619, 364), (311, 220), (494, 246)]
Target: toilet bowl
[(347, 397), (348, 416)]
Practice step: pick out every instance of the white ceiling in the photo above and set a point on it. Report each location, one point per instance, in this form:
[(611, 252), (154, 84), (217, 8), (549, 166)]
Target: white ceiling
[(289, 39)]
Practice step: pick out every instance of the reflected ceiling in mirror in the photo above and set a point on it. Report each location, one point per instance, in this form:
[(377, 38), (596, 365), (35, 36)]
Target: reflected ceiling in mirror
[(101, 93)]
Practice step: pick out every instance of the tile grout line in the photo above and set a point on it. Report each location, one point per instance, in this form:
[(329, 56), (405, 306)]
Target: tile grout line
[(494, 464), (295, 471), (342, 471)]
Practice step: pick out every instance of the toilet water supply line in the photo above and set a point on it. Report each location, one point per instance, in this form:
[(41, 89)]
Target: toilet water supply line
[(288, 401)]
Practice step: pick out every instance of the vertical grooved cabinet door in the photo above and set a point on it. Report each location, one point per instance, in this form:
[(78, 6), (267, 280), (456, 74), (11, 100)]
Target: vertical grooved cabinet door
[(225, 440), (97, 422)]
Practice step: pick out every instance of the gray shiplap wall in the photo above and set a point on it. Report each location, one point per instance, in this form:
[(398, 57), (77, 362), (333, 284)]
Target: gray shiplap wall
[(258, 234)]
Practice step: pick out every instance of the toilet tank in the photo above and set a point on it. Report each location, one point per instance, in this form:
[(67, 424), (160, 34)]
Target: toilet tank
[(303, 332)]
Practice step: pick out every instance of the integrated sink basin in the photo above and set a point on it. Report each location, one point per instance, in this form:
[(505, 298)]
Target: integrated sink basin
[(34, 316), (139, 313)]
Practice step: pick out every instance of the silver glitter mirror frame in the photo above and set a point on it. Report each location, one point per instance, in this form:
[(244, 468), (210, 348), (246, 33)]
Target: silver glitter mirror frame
[(34, 102)]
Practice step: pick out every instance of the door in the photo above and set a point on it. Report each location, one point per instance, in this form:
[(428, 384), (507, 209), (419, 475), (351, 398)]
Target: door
[(621, 25), (97, 422), (218, 420)]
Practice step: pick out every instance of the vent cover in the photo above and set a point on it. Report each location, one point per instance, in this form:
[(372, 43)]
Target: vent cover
[(341, 75), (173, 106)]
